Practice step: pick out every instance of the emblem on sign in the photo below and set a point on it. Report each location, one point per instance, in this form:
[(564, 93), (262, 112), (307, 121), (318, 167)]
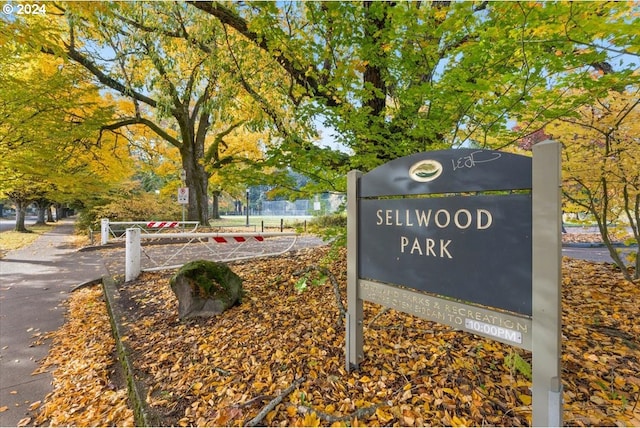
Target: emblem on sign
[(425, 170)]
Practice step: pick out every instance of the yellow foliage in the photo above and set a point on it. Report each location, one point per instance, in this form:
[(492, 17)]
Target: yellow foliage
[(601, 153)]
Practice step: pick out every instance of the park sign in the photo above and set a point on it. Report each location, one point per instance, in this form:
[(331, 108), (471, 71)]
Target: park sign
[(468, 238)]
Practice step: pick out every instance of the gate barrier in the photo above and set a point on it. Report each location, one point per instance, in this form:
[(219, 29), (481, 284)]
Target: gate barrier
[(133, 249), (147, 227)]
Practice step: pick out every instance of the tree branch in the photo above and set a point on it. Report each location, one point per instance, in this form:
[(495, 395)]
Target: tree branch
[(159, 66), (103, 77), (273, 403), (212, 152), (146, 122), (297, 71)]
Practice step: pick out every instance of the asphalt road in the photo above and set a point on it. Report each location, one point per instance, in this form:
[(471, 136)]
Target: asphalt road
[(10, 223), (593, 254)]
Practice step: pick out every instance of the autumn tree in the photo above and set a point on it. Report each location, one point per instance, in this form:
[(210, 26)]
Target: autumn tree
[(601, 165), (171, 69), (49, 122), (396, 78)]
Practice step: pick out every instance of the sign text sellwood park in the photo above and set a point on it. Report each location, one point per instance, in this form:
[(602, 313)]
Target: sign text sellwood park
[(469, 238)]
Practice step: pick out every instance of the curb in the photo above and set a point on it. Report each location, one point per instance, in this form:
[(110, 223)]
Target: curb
[(89, 283), (596, 245), (141, 413)]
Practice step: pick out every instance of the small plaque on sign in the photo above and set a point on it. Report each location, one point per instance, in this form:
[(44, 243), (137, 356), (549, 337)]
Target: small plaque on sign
[(497, 332)]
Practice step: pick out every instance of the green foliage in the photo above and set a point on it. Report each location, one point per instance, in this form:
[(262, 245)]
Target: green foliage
[(516, 363), (329, 221), (395, 78), (331, 228), (302, 283)]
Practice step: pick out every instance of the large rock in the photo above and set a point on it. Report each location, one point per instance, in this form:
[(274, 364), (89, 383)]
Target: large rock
[(205, 289)]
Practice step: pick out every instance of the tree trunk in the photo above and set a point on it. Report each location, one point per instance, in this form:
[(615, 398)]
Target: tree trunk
[(50, 218), (197, 181), (42, 210), (60, 212), (372, 75), (215, 211), (21, 213), (373, 80)]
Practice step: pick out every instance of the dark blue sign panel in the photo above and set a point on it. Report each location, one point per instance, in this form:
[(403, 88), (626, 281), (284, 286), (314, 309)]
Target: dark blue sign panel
[(461, 243), (443, 171), (473, 248)]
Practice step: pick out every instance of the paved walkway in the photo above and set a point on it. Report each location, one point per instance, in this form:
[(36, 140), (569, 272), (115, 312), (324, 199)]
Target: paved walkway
[(34, 282)]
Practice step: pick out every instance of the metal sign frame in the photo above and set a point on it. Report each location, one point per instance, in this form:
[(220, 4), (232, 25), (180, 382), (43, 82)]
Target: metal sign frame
[(460, 171)]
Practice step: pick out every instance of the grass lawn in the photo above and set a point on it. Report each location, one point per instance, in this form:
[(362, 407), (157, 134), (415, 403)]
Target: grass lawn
[(12, 240), (259, 223)]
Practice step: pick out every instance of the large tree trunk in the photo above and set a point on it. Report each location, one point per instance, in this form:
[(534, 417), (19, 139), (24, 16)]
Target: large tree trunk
[(50, 218), (42, 205), (197, 180), (215, 211), (60, 212), (21, 214)]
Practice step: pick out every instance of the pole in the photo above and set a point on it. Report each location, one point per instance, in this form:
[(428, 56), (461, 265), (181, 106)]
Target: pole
[(355, 313), (546, 298), (104, 231), (247, 207), (132, 254), (183, 178)]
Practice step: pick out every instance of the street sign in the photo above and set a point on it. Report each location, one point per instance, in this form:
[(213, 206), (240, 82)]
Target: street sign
[(183, 195)]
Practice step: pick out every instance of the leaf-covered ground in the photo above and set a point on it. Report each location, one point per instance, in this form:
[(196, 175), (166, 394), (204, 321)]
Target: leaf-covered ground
[(82, 361), (227, 370)]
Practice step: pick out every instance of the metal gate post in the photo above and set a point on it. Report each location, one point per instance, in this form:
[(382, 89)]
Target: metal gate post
[(104, 231), (132, 254)]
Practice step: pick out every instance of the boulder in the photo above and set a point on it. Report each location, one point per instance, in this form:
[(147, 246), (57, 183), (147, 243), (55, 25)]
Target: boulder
[(205, 288)]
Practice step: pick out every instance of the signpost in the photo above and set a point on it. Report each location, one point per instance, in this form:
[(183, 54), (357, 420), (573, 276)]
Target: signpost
[(468, 238), (183, 195)]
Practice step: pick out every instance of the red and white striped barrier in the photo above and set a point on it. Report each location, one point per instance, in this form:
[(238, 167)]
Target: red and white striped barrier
[(162, 224), (108, 232), (225, 240), (134, 238)]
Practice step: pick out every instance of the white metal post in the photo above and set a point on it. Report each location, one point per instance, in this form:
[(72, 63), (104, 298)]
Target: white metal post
[(104, 231), (132, 254), (547, 293)]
